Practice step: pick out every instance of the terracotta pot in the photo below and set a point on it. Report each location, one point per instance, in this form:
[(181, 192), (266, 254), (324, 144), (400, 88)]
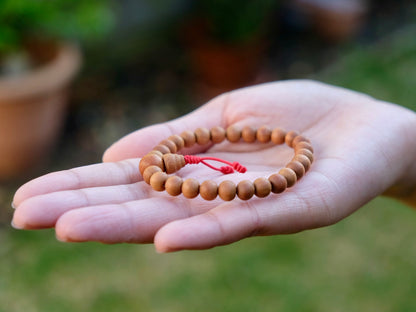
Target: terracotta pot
[(229, 66), (222, 67), (32, 111), (336, 20)]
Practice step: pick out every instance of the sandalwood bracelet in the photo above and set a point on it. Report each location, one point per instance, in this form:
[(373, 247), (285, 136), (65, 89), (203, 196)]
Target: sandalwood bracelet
[(162, 161)]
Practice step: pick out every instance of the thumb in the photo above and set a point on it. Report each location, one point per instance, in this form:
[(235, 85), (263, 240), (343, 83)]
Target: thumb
[(140, 142)]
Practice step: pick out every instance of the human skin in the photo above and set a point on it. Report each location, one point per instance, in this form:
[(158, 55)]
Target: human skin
[(363, 148)]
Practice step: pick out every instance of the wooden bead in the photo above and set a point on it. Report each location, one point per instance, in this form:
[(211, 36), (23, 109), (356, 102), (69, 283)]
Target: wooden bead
[(306, 152), (248, 134), (297, 167), (173, 162), (264, 134), (298, 139), (302, 145), (158, 180), (156, 153), (173, 185), (178, 140), (245, 190), (303, 160), (290, 136), (170, 145), (188, 137), (289, 175), (233, 134), (262, 187), (190, 188), (203, 136), (162, 148), (278, 136), (149, 171), (208, 190), (278, 182), (227, 190), (217, 135), (151, 160)]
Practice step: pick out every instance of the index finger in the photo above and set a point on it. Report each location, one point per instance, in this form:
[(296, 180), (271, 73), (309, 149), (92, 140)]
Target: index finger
[(107, 174)]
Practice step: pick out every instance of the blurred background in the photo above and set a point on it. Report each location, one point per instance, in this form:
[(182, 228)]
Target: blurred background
[(77, 75)]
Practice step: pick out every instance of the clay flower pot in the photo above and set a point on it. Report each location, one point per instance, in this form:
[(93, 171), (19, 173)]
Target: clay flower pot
[(226, 66), (335, 20), (221, 65), (32, 110)]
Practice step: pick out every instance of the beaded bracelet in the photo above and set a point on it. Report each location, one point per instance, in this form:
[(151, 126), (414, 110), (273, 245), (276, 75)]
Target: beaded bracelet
[(163, 160)]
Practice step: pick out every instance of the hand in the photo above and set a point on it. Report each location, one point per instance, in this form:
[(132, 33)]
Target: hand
[(363, 147)]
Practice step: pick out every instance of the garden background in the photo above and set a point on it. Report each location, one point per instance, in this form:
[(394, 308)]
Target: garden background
[(142, 73)]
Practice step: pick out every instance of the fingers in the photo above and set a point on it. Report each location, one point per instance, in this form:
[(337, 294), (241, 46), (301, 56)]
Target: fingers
[(234, 221), (124, 172), (180, 223), (142, 141), (43, 211), (222, 225), (133, 222)]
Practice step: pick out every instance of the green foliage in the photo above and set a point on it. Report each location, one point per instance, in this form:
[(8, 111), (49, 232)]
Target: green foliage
[(235, 21), (72, 19), (386, 71)]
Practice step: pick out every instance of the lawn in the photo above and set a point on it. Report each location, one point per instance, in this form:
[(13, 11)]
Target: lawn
[(364, 263)]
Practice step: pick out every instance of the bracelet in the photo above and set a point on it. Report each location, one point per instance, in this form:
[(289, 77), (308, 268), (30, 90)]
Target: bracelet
[(163, 160)]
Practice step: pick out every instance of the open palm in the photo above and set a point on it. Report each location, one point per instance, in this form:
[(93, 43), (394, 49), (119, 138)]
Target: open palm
[(357, 141)]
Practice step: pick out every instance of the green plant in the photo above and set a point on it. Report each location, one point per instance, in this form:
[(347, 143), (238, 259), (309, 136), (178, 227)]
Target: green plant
[(386, 70), (24, 20), (235, 21)]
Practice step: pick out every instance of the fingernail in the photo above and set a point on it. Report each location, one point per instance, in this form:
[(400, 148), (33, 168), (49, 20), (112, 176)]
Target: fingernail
[(13, 206), (63, 240), (15, 226), (165, 250)]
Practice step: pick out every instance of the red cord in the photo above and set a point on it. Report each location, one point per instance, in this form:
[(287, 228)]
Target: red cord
[(192, 159)]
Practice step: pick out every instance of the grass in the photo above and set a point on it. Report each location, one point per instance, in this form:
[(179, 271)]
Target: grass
[(364, 263)]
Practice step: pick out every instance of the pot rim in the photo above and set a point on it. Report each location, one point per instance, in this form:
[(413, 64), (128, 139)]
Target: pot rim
[(52, 76)]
